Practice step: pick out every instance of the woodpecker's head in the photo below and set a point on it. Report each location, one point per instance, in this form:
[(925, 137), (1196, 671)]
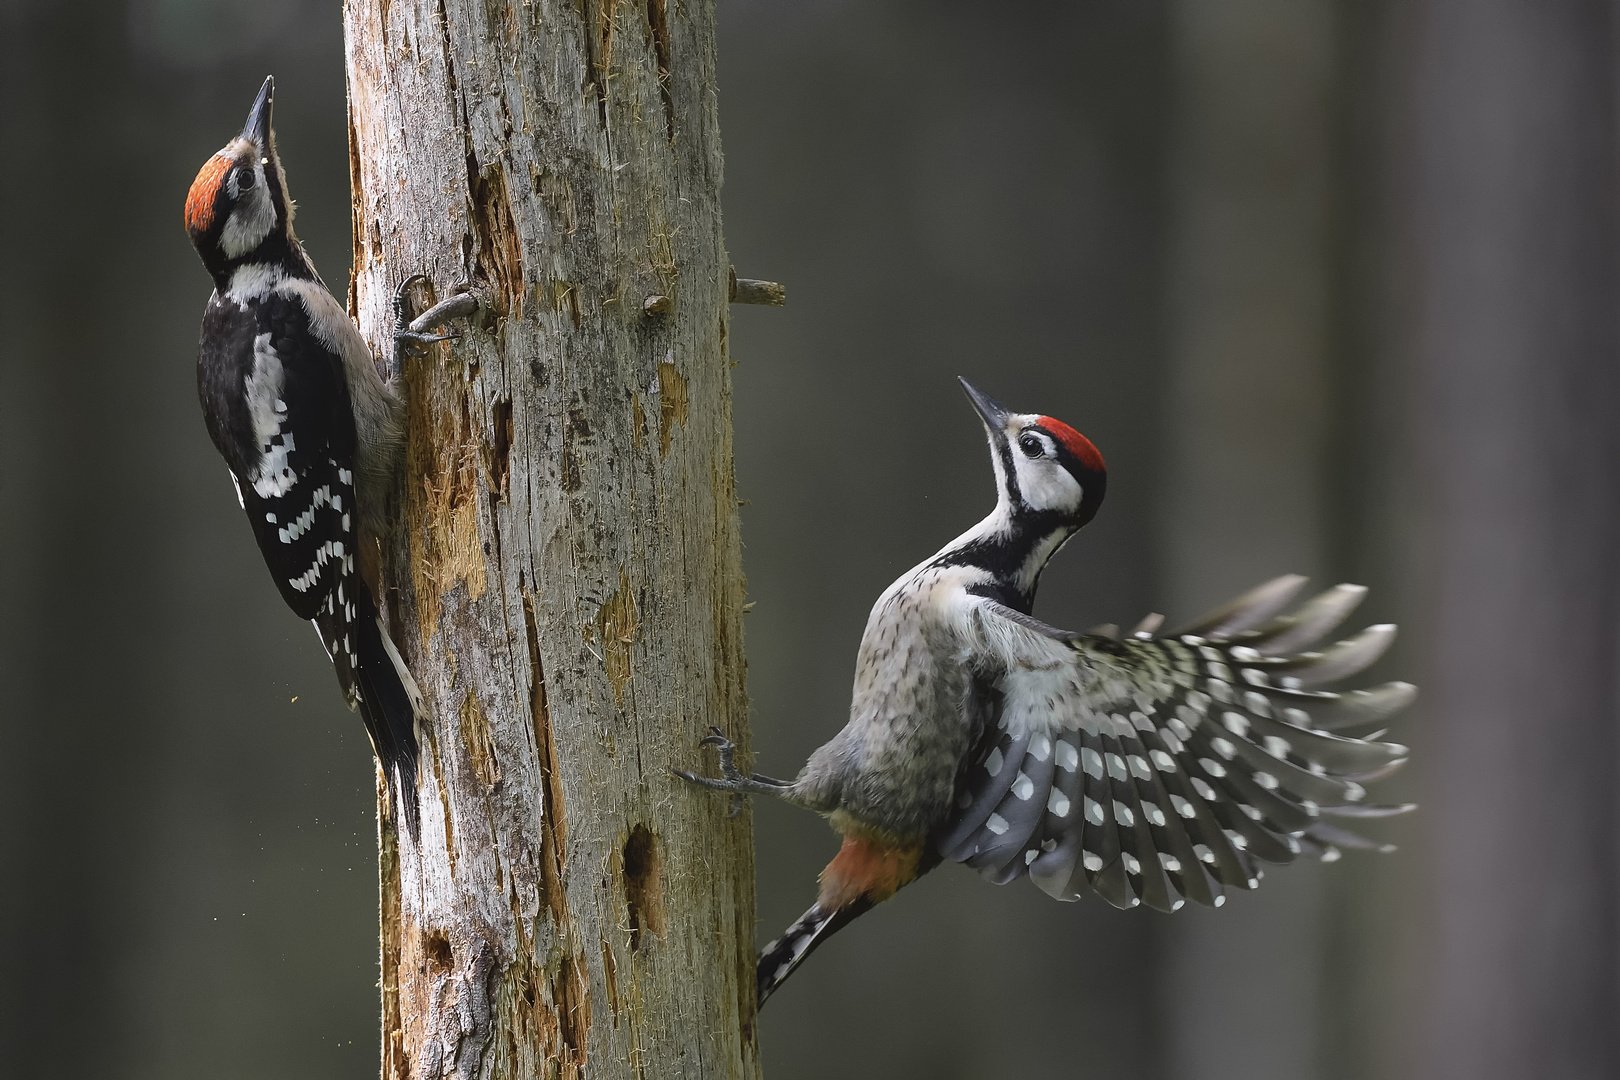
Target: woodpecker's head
[(1046, 471), (238, 210)]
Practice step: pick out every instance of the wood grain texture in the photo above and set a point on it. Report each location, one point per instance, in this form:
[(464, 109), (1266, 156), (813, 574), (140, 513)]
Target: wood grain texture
[(566, 582)]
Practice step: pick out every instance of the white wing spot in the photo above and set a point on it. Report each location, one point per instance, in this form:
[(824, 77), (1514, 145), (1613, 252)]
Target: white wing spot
[(1023, 787), (993, 763), (1091, 862), (1116, 767), (1266, 780), (1183, 807), (1131, 865), (1164, 761), (996, 824), (1093, 762), (1039, 747), (1094, 811), (1058, 803), (1123, 815), (1214, 768), (1067, 757), (1236, 723)]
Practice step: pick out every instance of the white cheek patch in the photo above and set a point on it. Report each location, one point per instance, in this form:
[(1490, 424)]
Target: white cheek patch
[(1046, 485), (250, 222)]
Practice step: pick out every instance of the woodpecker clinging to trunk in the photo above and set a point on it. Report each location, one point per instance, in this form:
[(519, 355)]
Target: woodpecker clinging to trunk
[(1146, 769), (311, 430)]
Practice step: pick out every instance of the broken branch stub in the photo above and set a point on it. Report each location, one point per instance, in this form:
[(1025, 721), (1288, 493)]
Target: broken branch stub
[(754, 291)]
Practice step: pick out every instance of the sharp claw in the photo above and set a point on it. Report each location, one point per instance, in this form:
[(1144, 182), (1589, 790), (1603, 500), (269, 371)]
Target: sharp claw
[(407, 283), (422, 339), (714, 740), (736, 805)]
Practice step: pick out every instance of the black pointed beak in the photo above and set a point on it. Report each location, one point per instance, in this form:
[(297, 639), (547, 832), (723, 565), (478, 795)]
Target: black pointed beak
[(257, 128), (994, 412)]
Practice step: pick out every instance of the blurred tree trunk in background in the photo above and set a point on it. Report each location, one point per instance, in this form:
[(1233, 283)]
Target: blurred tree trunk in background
[(567, 585), (1510, 227), (1245, 495)]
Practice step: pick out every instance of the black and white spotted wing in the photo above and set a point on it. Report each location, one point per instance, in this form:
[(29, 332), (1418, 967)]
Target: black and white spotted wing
[(1157, 769), (295, 477), (277, 406)]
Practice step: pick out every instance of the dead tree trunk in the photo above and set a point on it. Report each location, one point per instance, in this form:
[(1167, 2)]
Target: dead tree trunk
[(566, 583)]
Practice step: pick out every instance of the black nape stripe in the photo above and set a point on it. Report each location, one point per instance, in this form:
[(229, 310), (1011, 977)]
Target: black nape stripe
[(1005, 555)]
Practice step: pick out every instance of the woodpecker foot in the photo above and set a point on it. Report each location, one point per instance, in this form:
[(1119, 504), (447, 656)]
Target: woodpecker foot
[(414, 332), (731, 779)]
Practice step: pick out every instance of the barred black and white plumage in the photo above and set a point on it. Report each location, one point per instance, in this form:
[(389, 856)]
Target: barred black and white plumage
[(1156, 769), (309, 427), (1146, 769)]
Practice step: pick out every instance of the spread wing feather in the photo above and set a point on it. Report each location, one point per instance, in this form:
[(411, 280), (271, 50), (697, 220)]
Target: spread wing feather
[(1156, 769)]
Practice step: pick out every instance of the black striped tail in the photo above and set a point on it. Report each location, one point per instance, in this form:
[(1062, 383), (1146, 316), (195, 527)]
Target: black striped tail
[(782, 957), (389, 704)]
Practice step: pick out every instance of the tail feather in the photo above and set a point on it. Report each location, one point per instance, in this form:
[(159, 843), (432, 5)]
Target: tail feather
[(389, 704), (782, 957)]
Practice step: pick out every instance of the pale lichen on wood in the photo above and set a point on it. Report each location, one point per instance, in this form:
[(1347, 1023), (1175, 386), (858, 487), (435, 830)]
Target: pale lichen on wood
[(566, 580)]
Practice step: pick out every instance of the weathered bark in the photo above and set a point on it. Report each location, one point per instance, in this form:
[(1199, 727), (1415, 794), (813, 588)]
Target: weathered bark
[(566, 583)]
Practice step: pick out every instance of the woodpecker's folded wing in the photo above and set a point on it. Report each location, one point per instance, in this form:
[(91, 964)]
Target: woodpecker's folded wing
[(1157, 769), (297, 484)]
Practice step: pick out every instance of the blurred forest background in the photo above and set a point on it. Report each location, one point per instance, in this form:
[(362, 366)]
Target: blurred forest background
[(1332, 283)]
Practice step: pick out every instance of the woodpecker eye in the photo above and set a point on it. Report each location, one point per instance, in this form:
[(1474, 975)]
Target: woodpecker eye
[(1032, 446), (244, 178)]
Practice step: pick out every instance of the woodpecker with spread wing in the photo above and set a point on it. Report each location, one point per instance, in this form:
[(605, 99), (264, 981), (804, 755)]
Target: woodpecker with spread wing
[(1146, 768), (311, 429)]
